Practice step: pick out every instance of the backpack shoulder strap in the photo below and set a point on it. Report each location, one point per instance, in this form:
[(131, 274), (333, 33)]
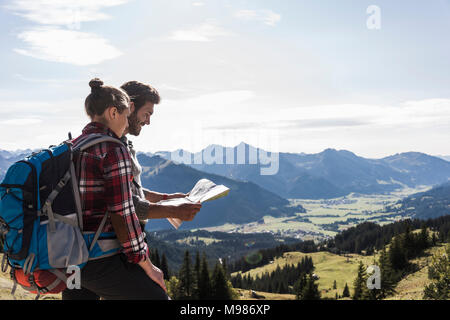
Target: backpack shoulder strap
[(84, 144), (93, 139)]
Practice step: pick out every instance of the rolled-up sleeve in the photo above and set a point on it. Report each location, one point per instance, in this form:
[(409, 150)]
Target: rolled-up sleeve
[(118, 197)]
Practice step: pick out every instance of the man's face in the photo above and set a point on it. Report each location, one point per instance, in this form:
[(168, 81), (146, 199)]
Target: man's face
[(140, 118)]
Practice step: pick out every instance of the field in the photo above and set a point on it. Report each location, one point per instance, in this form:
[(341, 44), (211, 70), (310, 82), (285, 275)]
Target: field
[(411, 287), (326, 217), (328, 267), (343, 269)]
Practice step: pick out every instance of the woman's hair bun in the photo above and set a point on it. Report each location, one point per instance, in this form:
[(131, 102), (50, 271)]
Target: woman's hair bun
[(95, 83)]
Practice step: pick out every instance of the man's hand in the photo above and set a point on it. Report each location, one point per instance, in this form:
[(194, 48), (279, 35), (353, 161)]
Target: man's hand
[(186, 211), (177, 195)]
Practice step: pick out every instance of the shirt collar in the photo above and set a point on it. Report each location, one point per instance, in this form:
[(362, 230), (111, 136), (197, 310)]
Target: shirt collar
[(127, 142), (97, 127)]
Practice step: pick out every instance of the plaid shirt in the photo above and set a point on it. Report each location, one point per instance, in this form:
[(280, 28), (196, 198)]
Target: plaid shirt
[(104, 178)]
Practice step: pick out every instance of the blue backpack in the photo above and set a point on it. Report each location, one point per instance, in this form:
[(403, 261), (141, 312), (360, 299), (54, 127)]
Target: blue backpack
[(41, 222)]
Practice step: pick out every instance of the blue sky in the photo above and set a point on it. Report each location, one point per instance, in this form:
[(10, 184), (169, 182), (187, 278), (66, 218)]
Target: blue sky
[(296, 76)]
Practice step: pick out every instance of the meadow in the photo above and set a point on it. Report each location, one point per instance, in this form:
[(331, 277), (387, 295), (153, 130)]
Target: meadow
[(324, 218)]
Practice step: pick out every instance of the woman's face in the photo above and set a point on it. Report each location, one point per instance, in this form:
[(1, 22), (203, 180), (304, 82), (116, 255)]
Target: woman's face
[(119, 121)]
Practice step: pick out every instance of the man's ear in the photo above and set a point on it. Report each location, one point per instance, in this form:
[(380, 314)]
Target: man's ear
[(131, 107)]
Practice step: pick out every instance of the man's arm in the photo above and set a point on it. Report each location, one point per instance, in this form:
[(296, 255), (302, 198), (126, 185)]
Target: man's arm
[(155, 197), (148, 210)]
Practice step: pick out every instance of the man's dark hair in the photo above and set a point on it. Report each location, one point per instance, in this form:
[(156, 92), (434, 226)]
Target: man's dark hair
[(141, 93)]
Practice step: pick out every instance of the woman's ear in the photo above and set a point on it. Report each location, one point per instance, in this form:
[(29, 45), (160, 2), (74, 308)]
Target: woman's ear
[(111, 113)]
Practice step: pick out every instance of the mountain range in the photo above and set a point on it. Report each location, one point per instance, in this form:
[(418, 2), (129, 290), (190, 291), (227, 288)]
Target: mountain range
[(246, 201), (7, 158), (328, 174), (425, 205), (446, 158)]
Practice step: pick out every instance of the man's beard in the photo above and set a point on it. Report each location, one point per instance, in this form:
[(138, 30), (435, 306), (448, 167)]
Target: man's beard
[(134, 125)]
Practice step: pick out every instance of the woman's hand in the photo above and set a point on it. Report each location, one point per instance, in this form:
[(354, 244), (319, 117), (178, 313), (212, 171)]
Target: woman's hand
[(153, 272)]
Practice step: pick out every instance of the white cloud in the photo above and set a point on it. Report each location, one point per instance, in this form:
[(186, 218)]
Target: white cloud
[(20, 122), (202, 33), (410, 114), (198, 4), (267, 17), (38, 124), (62, 12), (51, 82), (57, 37), (68, 46)]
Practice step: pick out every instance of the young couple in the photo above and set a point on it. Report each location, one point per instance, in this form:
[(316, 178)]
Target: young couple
[(109, 182)]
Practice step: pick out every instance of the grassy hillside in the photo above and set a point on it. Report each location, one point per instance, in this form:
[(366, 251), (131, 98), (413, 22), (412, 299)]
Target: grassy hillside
[(411, 287), (247, 295), (329, 267), (343, 269)]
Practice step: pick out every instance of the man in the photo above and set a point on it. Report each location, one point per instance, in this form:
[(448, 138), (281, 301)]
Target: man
[(143, 99)]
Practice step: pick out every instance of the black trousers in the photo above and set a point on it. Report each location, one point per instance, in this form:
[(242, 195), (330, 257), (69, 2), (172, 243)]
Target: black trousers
[(114, 278)]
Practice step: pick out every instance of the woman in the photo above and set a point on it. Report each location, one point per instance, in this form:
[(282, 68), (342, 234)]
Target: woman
[(104, 176)]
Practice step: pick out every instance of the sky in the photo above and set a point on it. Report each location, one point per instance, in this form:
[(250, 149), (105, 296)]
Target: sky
[(371, 77)]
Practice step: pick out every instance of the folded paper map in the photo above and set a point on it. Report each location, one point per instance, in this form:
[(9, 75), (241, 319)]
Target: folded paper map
[(204, 190)]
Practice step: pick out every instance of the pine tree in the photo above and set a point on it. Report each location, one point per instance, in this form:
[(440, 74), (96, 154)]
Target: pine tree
[(204, 283), (389, 277), (237, 281), (281, 287), (299, 285), (439, 273), (157, 261), (220, 286), (346, 292), (154, 257), (334, 285), (397, 255), (360, 291), (225, 268), (311, 289), (165, 267), (196, 276), (186, 278), (408, 243), (424, 238)]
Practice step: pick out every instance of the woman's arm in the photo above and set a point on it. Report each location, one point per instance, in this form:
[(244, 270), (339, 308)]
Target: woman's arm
[(153, 272), (119, 203)]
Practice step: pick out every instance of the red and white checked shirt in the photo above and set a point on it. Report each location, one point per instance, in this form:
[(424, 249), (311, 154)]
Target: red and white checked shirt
[(104, 177)]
